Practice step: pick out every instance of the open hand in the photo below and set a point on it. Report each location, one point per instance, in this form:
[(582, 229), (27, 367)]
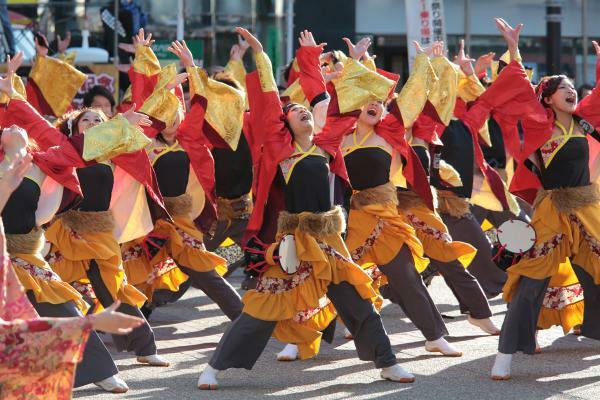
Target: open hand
[(306, 39), (15, 172), (463, 60), (177, 80), (182, 52), (14, 63), (140, 39), (484, 62), (252, 41), (136, 118), (510, 34), (358, 50), (112, 321)]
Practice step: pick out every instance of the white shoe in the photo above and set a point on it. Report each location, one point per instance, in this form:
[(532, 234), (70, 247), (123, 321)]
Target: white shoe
[(154, 360), (208, 379), (442, 346), (289, 353), (485, 324), (501, 369), (397, 374), (113, 384), (347, 334)]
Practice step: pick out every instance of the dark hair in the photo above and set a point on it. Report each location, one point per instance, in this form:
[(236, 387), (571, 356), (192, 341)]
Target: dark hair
[(228, 79), (286, 110), (581, 88), (75, 116), (286, 71), (88, 97), (548, 86)]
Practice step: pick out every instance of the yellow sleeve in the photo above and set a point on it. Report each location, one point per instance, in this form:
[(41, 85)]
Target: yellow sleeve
[(265, 72), (444, 90), (296, 94), (57, 81), (111, 138), (68, 58), (469, 87), (357, 85), (369, 62), (145, 61), (413, 96), (449, 175), (237, 69), (19, 91), (225, 105), (162, 104)]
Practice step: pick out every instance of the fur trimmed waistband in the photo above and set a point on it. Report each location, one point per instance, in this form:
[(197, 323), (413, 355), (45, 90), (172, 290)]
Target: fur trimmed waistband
[(570, 199), (449, 203), (179, 205), (381, 194), (408, 199), (26, 243), (228, 209), (315, 224), (88, 221)]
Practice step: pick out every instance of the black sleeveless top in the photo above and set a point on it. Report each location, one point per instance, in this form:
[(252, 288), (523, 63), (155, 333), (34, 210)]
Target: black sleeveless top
[(233, 170), (19, 213), (564, 160), (306, 182), (368, 167), (172, 173), (97, 183)]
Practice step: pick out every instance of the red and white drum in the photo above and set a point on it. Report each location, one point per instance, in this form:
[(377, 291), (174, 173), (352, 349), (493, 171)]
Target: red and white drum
[(288, 258), (516, 236)]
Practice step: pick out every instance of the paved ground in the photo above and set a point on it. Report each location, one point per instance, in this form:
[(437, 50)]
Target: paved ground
[(188, 331)]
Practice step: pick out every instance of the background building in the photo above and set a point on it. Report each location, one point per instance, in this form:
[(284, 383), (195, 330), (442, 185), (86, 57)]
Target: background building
[(208, 26)]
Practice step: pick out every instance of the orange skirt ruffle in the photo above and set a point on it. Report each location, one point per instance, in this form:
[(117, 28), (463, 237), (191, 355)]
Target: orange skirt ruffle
[(298, 302), (377, 232), (435, 237), (183, 246), (36, 275), (72, 252), (563, 302), (559, 235)]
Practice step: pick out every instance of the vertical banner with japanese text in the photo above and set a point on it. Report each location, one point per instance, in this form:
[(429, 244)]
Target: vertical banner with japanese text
[(424, 23)]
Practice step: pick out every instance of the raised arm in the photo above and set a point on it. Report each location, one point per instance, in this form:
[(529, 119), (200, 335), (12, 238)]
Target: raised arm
[(266, 116), (589, 107), (311, 79), (20, 112)]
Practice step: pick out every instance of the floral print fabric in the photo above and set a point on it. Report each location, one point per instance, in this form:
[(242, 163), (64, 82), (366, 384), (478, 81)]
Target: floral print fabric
[(37, 355)]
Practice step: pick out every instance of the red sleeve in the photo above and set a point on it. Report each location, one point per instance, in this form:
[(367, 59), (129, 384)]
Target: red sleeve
[(142, 86), (392, 130), (197, 147), (36, 99), (589, 107), (267, 119), (21, 113), (311, 79), (427, 129)]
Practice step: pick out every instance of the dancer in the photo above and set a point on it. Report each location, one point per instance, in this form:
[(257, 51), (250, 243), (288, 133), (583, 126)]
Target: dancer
[(50, 182), (84, 245), (295, 179), (565, 218), (184, 169), (24, 370)]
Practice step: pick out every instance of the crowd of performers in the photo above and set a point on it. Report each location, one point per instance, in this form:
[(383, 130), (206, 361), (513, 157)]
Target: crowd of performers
[(341, 192)]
